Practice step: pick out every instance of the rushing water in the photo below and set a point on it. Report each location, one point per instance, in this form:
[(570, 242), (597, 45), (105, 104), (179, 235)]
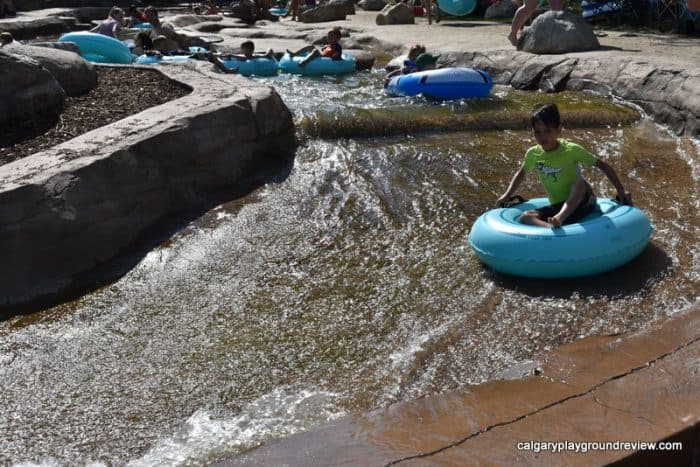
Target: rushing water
[(345, 287)]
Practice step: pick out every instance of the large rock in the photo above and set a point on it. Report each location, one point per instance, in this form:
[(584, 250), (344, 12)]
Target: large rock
[(557, 32), (396, 14), (68, 46), (334, 10), (29, 29), (216, 26), (182, 21), (500, 9), (30, 98), (372, 5), (74, 207), (363, 60), (75, 75), (86, 14)]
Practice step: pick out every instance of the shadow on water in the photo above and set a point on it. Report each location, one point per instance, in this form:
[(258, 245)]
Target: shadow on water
[(652, 265), (266, 171)]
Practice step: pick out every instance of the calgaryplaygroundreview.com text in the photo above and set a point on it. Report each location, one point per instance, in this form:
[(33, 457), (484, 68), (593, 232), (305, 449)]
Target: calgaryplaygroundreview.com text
[(586, 446)]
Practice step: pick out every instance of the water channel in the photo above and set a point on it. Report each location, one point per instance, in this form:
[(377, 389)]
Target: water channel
[(345, 286)]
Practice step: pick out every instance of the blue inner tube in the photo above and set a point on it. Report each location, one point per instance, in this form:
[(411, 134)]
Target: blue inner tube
[(457, 7), (442, 83), (261, 66), (278, 11), (98, 47), (318, 66), (609, 237)]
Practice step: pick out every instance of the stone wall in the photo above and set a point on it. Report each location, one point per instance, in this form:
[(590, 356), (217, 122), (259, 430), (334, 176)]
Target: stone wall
[(669, 95), (70, 209)]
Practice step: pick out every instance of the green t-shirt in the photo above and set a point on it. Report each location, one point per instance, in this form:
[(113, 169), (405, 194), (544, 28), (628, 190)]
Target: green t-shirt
[(559, 169)]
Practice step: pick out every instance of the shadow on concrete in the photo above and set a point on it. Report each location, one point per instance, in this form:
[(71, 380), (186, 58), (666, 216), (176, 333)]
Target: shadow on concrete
[(627, 280), (268, 170), (617, 49), (464, 25), (688, 456)]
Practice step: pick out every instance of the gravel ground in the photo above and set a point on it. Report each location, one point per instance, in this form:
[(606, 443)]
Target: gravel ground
[(120, 92)]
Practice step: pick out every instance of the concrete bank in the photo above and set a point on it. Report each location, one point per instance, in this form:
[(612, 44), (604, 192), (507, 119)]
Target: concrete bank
[(637, 387), (70, 209)]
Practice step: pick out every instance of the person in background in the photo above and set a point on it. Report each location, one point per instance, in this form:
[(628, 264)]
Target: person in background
[(523, 13), (332, 49), (426, 61), (179, 41), (212, 8), (294, 7), (428, 7), (6, 38), (135, 16), (112, 25), (248, 52), (142, 43), (557, 162), (409, 65)]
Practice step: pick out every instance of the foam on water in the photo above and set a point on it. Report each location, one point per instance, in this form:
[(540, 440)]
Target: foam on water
[(203, 438)]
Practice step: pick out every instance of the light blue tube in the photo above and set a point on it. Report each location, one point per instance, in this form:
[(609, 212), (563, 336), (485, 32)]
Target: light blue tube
[(98, 47), (261, 66), (318, 66), (611, 236)]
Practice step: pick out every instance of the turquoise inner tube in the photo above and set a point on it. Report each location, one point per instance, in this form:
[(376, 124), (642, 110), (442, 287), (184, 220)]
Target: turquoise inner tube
[(155, 59), (609, 237), (261, 66), (278, 11), (457, 7), (318, 66), (141, 26), (98, 47)]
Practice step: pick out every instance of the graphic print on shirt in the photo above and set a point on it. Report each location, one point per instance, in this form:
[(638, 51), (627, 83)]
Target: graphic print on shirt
[(547, 171)]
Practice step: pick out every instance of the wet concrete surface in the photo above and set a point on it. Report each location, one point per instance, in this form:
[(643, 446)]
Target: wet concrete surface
[(634, 388)]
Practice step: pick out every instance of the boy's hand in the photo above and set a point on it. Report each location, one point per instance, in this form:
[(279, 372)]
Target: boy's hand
[(554, 220), (502, 200)]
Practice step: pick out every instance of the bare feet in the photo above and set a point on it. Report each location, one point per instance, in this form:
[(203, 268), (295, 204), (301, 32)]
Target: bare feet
[(513, 39)]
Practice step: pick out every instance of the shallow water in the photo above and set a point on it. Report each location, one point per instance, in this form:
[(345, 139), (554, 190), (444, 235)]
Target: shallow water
[(345, 287)]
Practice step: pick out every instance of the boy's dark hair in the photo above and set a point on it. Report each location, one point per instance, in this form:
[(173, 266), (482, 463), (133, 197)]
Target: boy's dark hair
[(547, 114), (248, 45), (151, 8), (146, 41)]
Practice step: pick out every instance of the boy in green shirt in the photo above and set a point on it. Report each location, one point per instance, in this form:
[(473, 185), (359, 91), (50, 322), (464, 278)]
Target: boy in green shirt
[(557, 164)]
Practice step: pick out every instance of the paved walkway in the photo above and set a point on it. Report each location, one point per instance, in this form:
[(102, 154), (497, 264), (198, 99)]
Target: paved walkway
[(462, 35)]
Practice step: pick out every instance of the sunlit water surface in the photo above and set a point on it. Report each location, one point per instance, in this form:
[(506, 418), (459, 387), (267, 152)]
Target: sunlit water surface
[(345, 287)]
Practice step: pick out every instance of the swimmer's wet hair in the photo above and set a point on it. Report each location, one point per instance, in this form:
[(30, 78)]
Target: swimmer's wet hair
[(548, 114)]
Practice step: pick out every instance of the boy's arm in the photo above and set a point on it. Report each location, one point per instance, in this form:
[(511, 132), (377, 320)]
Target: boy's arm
[(514, 184), (623, 195)]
